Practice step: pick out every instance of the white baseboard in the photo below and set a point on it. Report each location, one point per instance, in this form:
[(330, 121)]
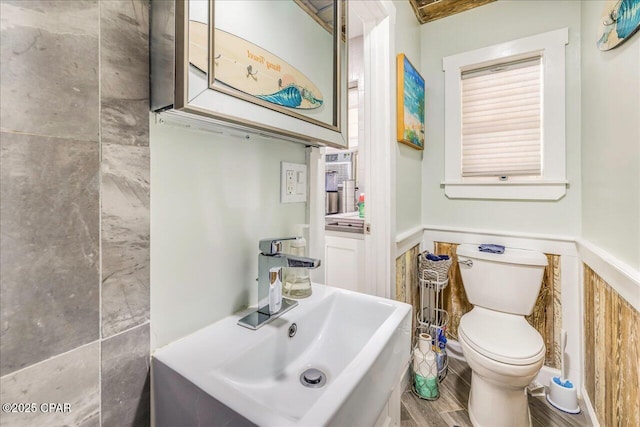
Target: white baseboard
[(590, 412)]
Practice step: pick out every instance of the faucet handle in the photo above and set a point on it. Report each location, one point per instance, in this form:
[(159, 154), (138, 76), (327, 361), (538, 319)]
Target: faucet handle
[(273, 246)]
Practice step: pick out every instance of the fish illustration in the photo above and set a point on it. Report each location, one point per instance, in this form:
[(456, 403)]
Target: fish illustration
[(624, 18), (292, 97)]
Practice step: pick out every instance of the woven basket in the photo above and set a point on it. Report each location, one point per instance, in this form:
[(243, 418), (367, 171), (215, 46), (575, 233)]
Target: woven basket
[(433, 270)]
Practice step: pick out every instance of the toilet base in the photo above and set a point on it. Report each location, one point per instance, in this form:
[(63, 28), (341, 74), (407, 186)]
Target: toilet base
[(492, 405)]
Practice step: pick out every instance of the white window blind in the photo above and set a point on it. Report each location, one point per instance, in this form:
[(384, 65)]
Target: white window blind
[(502, 119)]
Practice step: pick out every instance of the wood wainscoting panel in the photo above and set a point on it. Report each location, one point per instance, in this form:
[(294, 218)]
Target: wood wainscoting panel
[(598, 343), (557, 311), (546, 317), (589, 328), (612, 341), (628, 404), (455, 298), (612, 353), (407, 289)]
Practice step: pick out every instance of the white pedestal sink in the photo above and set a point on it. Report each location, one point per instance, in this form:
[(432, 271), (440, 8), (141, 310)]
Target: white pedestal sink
[(225, 374)]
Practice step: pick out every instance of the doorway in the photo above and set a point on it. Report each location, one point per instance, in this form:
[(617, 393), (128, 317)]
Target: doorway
[(376, 20)]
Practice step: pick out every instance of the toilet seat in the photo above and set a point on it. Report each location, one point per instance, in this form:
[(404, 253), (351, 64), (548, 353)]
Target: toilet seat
[(502, 337)]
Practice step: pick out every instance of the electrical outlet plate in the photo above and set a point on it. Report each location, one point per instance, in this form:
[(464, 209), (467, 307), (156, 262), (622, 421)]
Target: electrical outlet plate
[(293, 182)]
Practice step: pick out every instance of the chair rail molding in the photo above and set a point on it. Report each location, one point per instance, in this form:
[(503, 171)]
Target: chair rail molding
[(548, 243), (408, 239), (622, 278)]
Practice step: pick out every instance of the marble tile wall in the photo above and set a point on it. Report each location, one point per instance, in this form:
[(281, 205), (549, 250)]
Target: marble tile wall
[(124, 98), (74, 210), (50, 68), (124, 55), (74, 376), (49, 248), (612, 353), (125, 379), (50, 180)]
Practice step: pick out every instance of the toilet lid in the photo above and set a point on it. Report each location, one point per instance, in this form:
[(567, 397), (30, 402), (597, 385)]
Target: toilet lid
[(507, 338)]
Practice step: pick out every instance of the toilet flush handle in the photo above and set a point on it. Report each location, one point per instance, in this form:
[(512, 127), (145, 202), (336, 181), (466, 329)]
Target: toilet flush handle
[(466, 262)]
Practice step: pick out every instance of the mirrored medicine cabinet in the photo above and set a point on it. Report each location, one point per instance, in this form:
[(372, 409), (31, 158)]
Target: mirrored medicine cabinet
[(276, 68)]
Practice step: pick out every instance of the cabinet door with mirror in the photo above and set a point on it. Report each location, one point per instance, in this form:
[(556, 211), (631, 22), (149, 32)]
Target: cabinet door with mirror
[(276, 66)]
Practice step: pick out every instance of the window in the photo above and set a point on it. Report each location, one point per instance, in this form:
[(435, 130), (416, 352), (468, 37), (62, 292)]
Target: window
[(504, 120), (501, 120)]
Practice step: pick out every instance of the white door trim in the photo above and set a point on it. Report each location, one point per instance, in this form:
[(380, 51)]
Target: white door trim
[(378, 152), (316, 209)]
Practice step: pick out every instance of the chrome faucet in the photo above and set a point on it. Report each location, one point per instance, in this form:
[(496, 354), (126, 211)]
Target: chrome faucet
[(270, 258)]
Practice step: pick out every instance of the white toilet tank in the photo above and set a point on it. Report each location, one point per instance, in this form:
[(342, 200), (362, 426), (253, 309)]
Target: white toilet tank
[(508, 282)]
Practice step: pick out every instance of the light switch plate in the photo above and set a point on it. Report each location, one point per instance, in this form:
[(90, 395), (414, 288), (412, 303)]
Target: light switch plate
[(293, 183)]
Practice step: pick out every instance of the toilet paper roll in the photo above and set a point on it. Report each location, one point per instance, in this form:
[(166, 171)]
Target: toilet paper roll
[(425, 342)]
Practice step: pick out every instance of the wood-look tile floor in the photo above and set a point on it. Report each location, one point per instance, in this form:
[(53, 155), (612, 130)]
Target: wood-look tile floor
[(451, 408)]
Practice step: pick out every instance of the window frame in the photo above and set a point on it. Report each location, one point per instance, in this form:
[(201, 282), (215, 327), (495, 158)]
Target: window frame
[(551, 185)]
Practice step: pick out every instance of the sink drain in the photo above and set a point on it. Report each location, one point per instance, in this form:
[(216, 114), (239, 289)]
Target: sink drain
[(313, 378), (292, 330)]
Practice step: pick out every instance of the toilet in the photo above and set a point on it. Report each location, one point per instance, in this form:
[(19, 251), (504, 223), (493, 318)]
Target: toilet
[(503, 351)]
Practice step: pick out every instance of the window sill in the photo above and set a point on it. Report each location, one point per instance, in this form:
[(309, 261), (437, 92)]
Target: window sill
[(523, 190)]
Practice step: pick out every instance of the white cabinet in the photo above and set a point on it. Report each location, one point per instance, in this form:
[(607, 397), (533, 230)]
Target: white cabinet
[(344, 261), (390, 415)]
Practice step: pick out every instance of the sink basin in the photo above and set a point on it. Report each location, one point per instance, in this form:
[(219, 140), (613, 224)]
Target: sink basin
[(225, 374)]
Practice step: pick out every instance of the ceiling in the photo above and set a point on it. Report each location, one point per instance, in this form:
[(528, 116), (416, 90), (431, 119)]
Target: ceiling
[(430, 10), (426, 10)]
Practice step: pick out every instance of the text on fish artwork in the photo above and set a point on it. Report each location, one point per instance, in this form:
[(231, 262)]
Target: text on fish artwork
[(260, 59), (272, 66)]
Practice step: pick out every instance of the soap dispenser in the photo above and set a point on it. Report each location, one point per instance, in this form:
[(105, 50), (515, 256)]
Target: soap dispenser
[(297, 283)]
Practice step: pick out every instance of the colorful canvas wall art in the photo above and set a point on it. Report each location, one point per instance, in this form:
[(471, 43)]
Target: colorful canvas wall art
[(410, 104), (620, 20)]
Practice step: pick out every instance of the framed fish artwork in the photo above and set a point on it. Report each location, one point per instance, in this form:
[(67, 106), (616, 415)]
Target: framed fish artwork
[(620, 20), (410, 104), (253, 70)]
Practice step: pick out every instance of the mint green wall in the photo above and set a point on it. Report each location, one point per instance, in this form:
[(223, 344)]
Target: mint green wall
[(485, 26), (408, 160), (213, 198), (610, 141)]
